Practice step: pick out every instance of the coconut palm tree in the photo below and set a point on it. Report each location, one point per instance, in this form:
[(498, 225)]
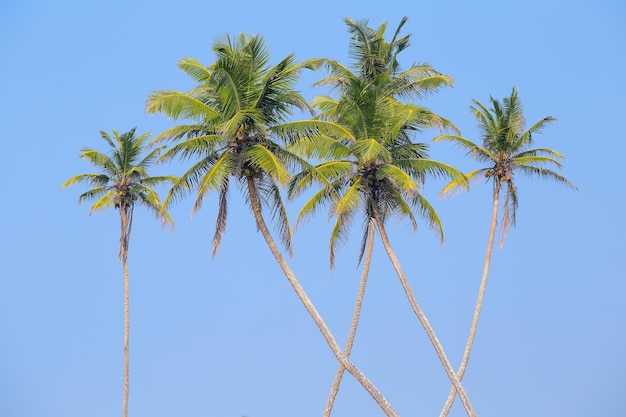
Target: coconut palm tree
[(506, 150), (122, 183), (238, 109), (375, 167)]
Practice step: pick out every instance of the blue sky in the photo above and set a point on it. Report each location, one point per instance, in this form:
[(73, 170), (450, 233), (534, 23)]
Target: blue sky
[(227, 336)]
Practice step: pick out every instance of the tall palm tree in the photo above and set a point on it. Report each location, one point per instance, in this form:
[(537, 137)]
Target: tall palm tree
[(122, 183), (506, 150), (375, 167), (239, 107)]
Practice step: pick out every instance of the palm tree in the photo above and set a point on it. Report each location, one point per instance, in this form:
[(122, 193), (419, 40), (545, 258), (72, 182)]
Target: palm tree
[(123, 182), (375, 167), (239, 106), (506, 150)]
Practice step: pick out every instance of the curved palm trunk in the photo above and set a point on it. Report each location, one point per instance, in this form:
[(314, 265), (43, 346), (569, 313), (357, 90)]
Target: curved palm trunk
[(422, 318), (317, 318), (355, 321), (126, 216), (479, 300)]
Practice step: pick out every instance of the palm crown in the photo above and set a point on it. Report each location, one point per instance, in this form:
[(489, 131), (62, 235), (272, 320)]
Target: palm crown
[(374, 165), (506, 150), (238, 105), (124, 180)]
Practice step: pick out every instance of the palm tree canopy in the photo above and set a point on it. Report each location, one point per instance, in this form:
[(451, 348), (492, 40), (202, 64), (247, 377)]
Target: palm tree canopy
[(506, 150), (238, 109), (123, 180), (377, 164)]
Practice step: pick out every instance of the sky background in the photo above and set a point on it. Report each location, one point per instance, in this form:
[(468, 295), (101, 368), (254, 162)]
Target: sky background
[(227, 337)]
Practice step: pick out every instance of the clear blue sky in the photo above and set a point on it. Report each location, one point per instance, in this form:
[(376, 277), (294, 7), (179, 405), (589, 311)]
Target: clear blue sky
[(227, 337)]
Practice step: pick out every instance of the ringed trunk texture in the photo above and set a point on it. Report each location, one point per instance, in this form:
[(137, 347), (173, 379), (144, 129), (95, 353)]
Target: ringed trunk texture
[(355, 320), (423, 320), (317, 318), (126, 216), (479, 300)]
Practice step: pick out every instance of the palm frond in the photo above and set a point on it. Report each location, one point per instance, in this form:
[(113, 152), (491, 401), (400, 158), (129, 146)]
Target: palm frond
[(178, 105), (195, 70)]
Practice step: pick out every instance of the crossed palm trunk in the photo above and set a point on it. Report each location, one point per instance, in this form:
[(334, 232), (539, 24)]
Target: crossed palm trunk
[(422, 317), (355, 320), (479, 300), (330, 340)]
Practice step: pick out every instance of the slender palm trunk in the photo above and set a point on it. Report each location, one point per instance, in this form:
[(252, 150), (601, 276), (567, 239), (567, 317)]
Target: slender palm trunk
[(479, 300), (317, 318), (422, 318), (355, 320), (126, 216)]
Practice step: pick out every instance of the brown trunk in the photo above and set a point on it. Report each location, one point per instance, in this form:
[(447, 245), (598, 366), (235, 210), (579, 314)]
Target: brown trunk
[(422, 318), (126, 215), (479, 300), (317, 318), (355, 320)]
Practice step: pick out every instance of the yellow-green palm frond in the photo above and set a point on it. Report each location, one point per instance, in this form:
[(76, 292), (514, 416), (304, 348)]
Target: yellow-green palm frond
[(344, 209), (320, 199), (101, 160), (420, 167), (179, 105), (536, 160), (96, 180), (261, 157), (194, 146), (178, 132), (456, 185), (539, 151), (478, 152), (107, 198), (195, 70), (370, 150), (526, 139), (401, 180)]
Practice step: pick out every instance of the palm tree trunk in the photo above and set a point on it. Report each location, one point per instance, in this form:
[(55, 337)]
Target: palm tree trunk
[(479, 300), (355, 320), (422, 317), (126, 223), (317, 318)]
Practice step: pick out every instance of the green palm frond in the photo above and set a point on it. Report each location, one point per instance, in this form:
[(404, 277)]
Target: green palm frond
[(106, 200), (273, 199), (536, 160), (544, 173), (222, 215), (428, 213), (209, 176), (344, 209)]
